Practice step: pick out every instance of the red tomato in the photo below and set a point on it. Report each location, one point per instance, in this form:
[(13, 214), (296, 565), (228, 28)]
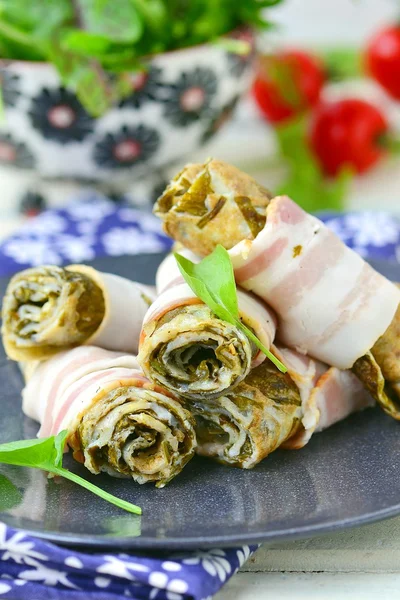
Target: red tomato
[(287, 83), (383, 59), (347, 132)]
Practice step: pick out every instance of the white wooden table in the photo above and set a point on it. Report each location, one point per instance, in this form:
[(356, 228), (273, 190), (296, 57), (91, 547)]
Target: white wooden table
[(358, 563)]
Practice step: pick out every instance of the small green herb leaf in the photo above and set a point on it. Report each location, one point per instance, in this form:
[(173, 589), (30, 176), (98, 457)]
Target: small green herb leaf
[(38, 453), (215, 274), (213, 281), (46, 454)]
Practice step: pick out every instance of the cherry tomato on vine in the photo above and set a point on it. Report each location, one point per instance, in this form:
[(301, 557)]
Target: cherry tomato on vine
[(348, 132), (383, 59), (287, 83)]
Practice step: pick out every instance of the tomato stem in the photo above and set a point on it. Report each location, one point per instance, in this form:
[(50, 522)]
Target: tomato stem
[(343, 63), (390, 142)]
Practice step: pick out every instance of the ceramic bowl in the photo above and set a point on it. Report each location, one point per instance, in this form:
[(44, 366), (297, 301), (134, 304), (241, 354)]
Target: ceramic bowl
[(174, 108)]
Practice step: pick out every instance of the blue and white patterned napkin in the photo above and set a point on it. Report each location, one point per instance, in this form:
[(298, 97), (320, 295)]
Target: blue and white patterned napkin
[(95, 227), (83, 230), (33, 569), (30, 568)]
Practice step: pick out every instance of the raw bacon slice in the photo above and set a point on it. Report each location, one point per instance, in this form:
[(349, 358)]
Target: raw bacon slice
[(117, 420), (330, 303), (336, 395)]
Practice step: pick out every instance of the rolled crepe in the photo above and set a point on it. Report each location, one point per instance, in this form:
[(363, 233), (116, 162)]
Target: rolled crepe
[(117, 420), (49, 309), (380, 369), (187, 349), (212, 203), (370, 373), (242, 427), (269, 410)]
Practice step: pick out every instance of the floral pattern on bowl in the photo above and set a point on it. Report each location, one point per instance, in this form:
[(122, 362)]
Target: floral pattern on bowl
[(177, 105)]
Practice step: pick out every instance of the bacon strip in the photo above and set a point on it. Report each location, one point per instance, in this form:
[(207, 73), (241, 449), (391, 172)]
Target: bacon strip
[(330, 303), (51, 379), (117, 420), (126, 303), (337, 395)]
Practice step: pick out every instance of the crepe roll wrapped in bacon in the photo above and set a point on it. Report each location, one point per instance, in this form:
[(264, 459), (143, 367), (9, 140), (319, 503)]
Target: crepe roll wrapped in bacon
[(48, 309), (186, 348), (117, 420), (331, 304), (270, 409), (212, 203)]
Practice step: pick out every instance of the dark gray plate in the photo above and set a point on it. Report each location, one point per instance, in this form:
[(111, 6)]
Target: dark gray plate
[(346, 476)]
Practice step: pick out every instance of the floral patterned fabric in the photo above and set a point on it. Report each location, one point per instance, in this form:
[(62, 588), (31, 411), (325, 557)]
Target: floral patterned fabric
[(90, 227), (95, 226), (30, 568)]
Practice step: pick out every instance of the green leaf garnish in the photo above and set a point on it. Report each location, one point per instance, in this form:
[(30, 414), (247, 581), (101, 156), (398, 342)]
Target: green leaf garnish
[(213, 281), (47, 454), (10, 495)]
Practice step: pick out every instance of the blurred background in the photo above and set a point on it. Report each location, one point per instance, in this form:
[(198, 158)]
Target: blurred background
[(116, 95)]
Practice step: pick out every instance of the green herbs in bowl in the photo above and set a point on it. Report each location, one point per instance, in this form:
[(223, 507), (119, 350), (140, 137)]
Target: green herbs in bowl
[(94, 43)]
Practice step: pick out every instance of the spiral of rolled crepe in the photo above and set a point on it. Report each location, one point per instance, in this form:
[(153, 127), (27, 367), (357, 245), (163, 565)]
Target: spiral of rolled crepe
[(248, 423), (118, 421), (212, 203), (269, 410), (48, 309), (186, 348)]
